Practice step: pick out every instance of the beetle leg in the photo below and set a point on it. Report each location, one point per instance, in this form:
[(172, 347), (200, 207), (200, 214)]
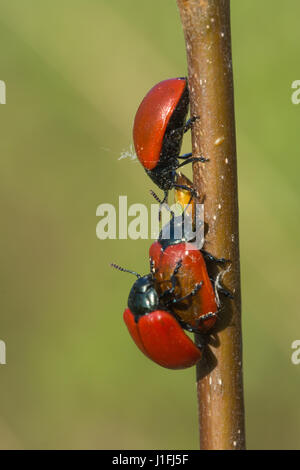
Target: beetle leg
[(191, 294), (184, 324), (161, 204), (173, 277), (207, 316), (185, 155), (171, 290), (221, 289), (153, 269), (189, 123), (177, 267), (211, 257), (192, 160), (192, 329), (165, 197), (225, 292), (152, 265), (188, 327)]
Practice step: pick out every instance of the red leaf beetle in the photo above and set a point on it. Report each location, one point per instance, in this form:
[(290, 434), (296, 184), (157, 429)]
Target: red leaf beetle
[(198, 312), (154, 329), (158, 129)]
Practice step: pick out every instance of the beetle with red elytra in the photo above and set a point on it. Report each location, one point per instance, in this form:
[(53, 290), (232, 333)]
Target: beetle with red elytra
[(158, 129), (198, 312), (153, 326)]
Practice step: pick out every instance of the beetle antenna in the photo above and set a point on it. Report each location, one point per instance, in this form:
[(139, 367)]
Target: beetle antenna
[(116, 266), (162, 203), (155, 196)]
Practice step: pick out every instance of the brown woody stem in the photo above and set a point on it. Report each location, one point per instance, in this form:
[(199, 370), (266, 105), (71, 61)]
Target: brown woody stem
[(206, 25)]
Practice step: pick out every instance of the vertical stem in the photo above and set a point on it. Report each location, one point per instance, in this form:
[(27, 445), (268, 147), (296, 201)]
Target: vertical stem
[(206, 25)]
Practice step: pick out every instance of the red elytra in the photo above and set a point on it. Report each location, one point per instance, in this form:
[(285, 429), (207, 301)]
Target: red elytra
[(152, 118), (160, 337), (192, 271)]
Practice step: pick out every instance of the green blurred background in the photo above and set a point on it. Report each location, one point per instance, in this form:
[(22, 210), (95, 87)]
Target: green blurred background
[(75, 72)]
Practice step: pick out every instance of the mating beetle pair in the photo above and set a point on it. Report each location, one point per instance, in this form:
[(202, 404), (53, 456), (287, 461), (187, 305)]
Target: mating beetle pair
[(164, 303)]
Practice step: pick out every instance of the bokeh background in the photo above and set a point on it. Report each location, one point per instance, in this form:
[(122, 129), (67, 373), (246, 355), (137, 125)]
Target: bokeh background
[(75, 72)]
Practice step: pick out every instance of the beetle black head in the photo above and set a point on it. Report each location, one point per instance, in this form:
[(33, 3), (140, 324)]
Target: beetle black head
[(143, 297)]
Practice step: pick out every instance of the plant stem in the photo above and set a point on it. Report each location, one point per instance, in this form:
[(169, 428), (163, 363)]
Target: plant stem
[(206, 26)]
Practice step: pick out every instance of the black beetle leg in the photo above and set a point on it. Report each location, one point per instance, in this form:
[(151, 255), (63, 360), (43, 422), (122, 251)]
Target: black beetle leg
[(191, 294), (207, 316), (171, 290), (185, 325), (185, 155), (192, 160), (211, 257), (153, 269), (220, 288), (189, 123), (161, 204)]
